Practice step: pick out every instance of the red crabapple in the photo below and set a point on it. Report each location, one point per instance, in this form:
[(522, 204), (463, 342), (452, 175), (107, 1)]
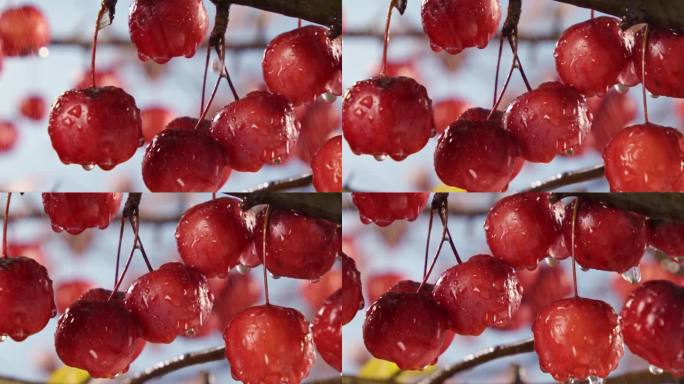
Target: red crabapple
[(400, 68), (377, 284), (327, 166), (453, 25), (23, 30), (258, 129), (648, 270), (548, 121), (316, 292), (611, 113), (327, 330), (653, 325), (645, 158), (268, 344), (482, 114), (184, 160), (577, 338), (590, 55), (299, 64), (9, 136), (520, 228), (170, 301), (665, 47), (297, 246), (667, 236), (481, 292), (69, 292), (95, 126), (318, 120), (447, 111), (26, 297), (33, 107), (384, 208), (387, 116), (154, 120), (103, 78), (211, 236), (32, 250), (74, 212), (239, 293), (167, 29), (352, 295)]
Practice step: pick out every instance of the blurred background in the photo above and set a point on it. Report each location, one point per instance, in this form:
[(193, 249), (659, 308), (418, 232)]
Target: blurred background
[(32, 164), (469, 78), (91, 256), (387, 255)]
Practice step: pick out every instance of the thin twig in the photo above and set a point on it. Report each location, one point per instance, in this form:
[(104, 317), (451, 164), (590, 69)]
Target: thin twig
[(568, 178)]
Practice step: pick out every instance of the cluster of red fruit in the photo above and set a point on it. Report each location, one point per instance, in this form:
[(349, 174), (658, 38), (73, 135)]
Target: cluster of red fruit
[(483, 150), (103, 332), (413, 323)]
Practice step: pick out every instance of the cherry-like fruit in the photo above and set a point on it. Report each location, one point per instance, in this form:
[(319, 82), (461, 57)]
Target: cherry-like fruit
[(68, 292), (33, 107), (327, 330), (23, 30), (154, 120), (667, 236), (384, 208), (9, 135), (664, 48), (447, 111), (377, 284), (352, 294), (327, 166), (611, 113), (318, 120), (237, 294), (74, 212)]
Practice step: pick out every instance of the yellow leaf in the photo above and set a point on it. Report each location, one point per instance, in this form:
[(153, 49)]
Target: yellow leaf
[(445, 188), (68, 375), (383, 369)]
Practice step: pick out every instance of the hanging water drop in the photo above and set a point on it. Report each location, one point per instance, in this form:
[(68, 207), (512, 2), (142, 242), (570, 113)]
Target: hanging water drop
[(550, 261), (88, 167), (632, 275), (584, 269), (329, 97), (595, 380), (242, 269), (3, 338), (655, 370), (380, 157), (621, 88)]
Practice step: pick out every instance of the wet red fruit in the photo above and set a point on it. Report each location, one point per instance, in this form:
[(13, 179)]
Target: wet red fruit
[(170, 301), (297, 246), (549, 285), (239, 293), (645, 158), (577, 338), (407, 328), (268, 344), (611, 113), (590, 55), (33, 107), (649, 270), (377, 284), (667, 236), (318, 120), (521, 228), (352, 294), (154, 120), (184, 160), (447, 111), (69, 292), (653, 325), (298, 64), (26, 297), (9, 136), (327, 166), (23, 30), (327, 330), (664, 48), (167, 29), (477, 156), (384, 208), (103, 78), (74, 212), (316, 292), (212, 235), (256, 130), (479, 293), (95, 126), (98, 335), (453, 25), (387, 116), (548, 121)]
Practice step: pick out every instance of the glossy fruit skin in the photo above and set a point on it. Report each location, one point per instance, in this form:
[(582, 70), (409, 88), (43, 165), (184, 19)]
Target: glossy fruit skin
[(667, 236), (548, 121), (315, 293), (297, 246), (664, 48), (162, 30), (447, 111), (74, 212), (406, 328), (649, 270), (98, 335), (327, 330), (477, 156), (23, 30), (577, 337), (591, 55), (68, 292), (520, 228), (481, 292), (95, 126), (645, 158), (33, 107), (280, 333), (26, 297), (298, 64), (453, 25), (384, 208), (653, 324), (9, 135), (211, 236), (172, 300), (387, 116), (352, 294), (318, 120), (327, 166), (239, 293), (184, 160), (377, 284), (154, 120), (611, 113), (256, 130)]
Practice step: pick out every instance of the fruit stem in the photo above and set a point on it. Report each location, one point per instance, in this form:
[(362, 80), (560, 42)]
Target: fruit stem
[(503, 92), (264, 250), (100, 13), (204, 79), (643, 71), (387, 37), (4, 225), (513, 42), (427, 242), (572, 245), (434, 259), (496, 76), (135, 223), (211, 100), (299, 22), (118, 249), (592, 14), (445, 222), (128, 264)]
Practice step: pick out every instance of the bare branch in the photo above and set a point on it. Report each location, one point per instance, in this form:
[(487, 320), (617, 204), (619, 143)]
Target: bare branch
[(179, 362), (661, 13), (567, 178)]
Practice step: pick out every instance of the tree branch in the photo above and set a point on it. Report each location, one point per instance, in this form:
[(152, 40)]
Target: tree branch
[(325, 12), (327, 206), (284, 184), (567, 178), (179, 362), (661, 13)]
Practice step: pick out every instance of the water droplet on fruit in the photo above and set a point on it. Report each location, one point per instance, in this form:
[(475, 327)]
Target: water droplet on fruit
[(654, 96), (595, 380), (190, 332), (632, 275), (621, 88), (584, 269), (3, 338), (88, 167), (243, 269), (380, 157), (679, 259), (655, 370), (328, 97), (274, 276), (550, 261)]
